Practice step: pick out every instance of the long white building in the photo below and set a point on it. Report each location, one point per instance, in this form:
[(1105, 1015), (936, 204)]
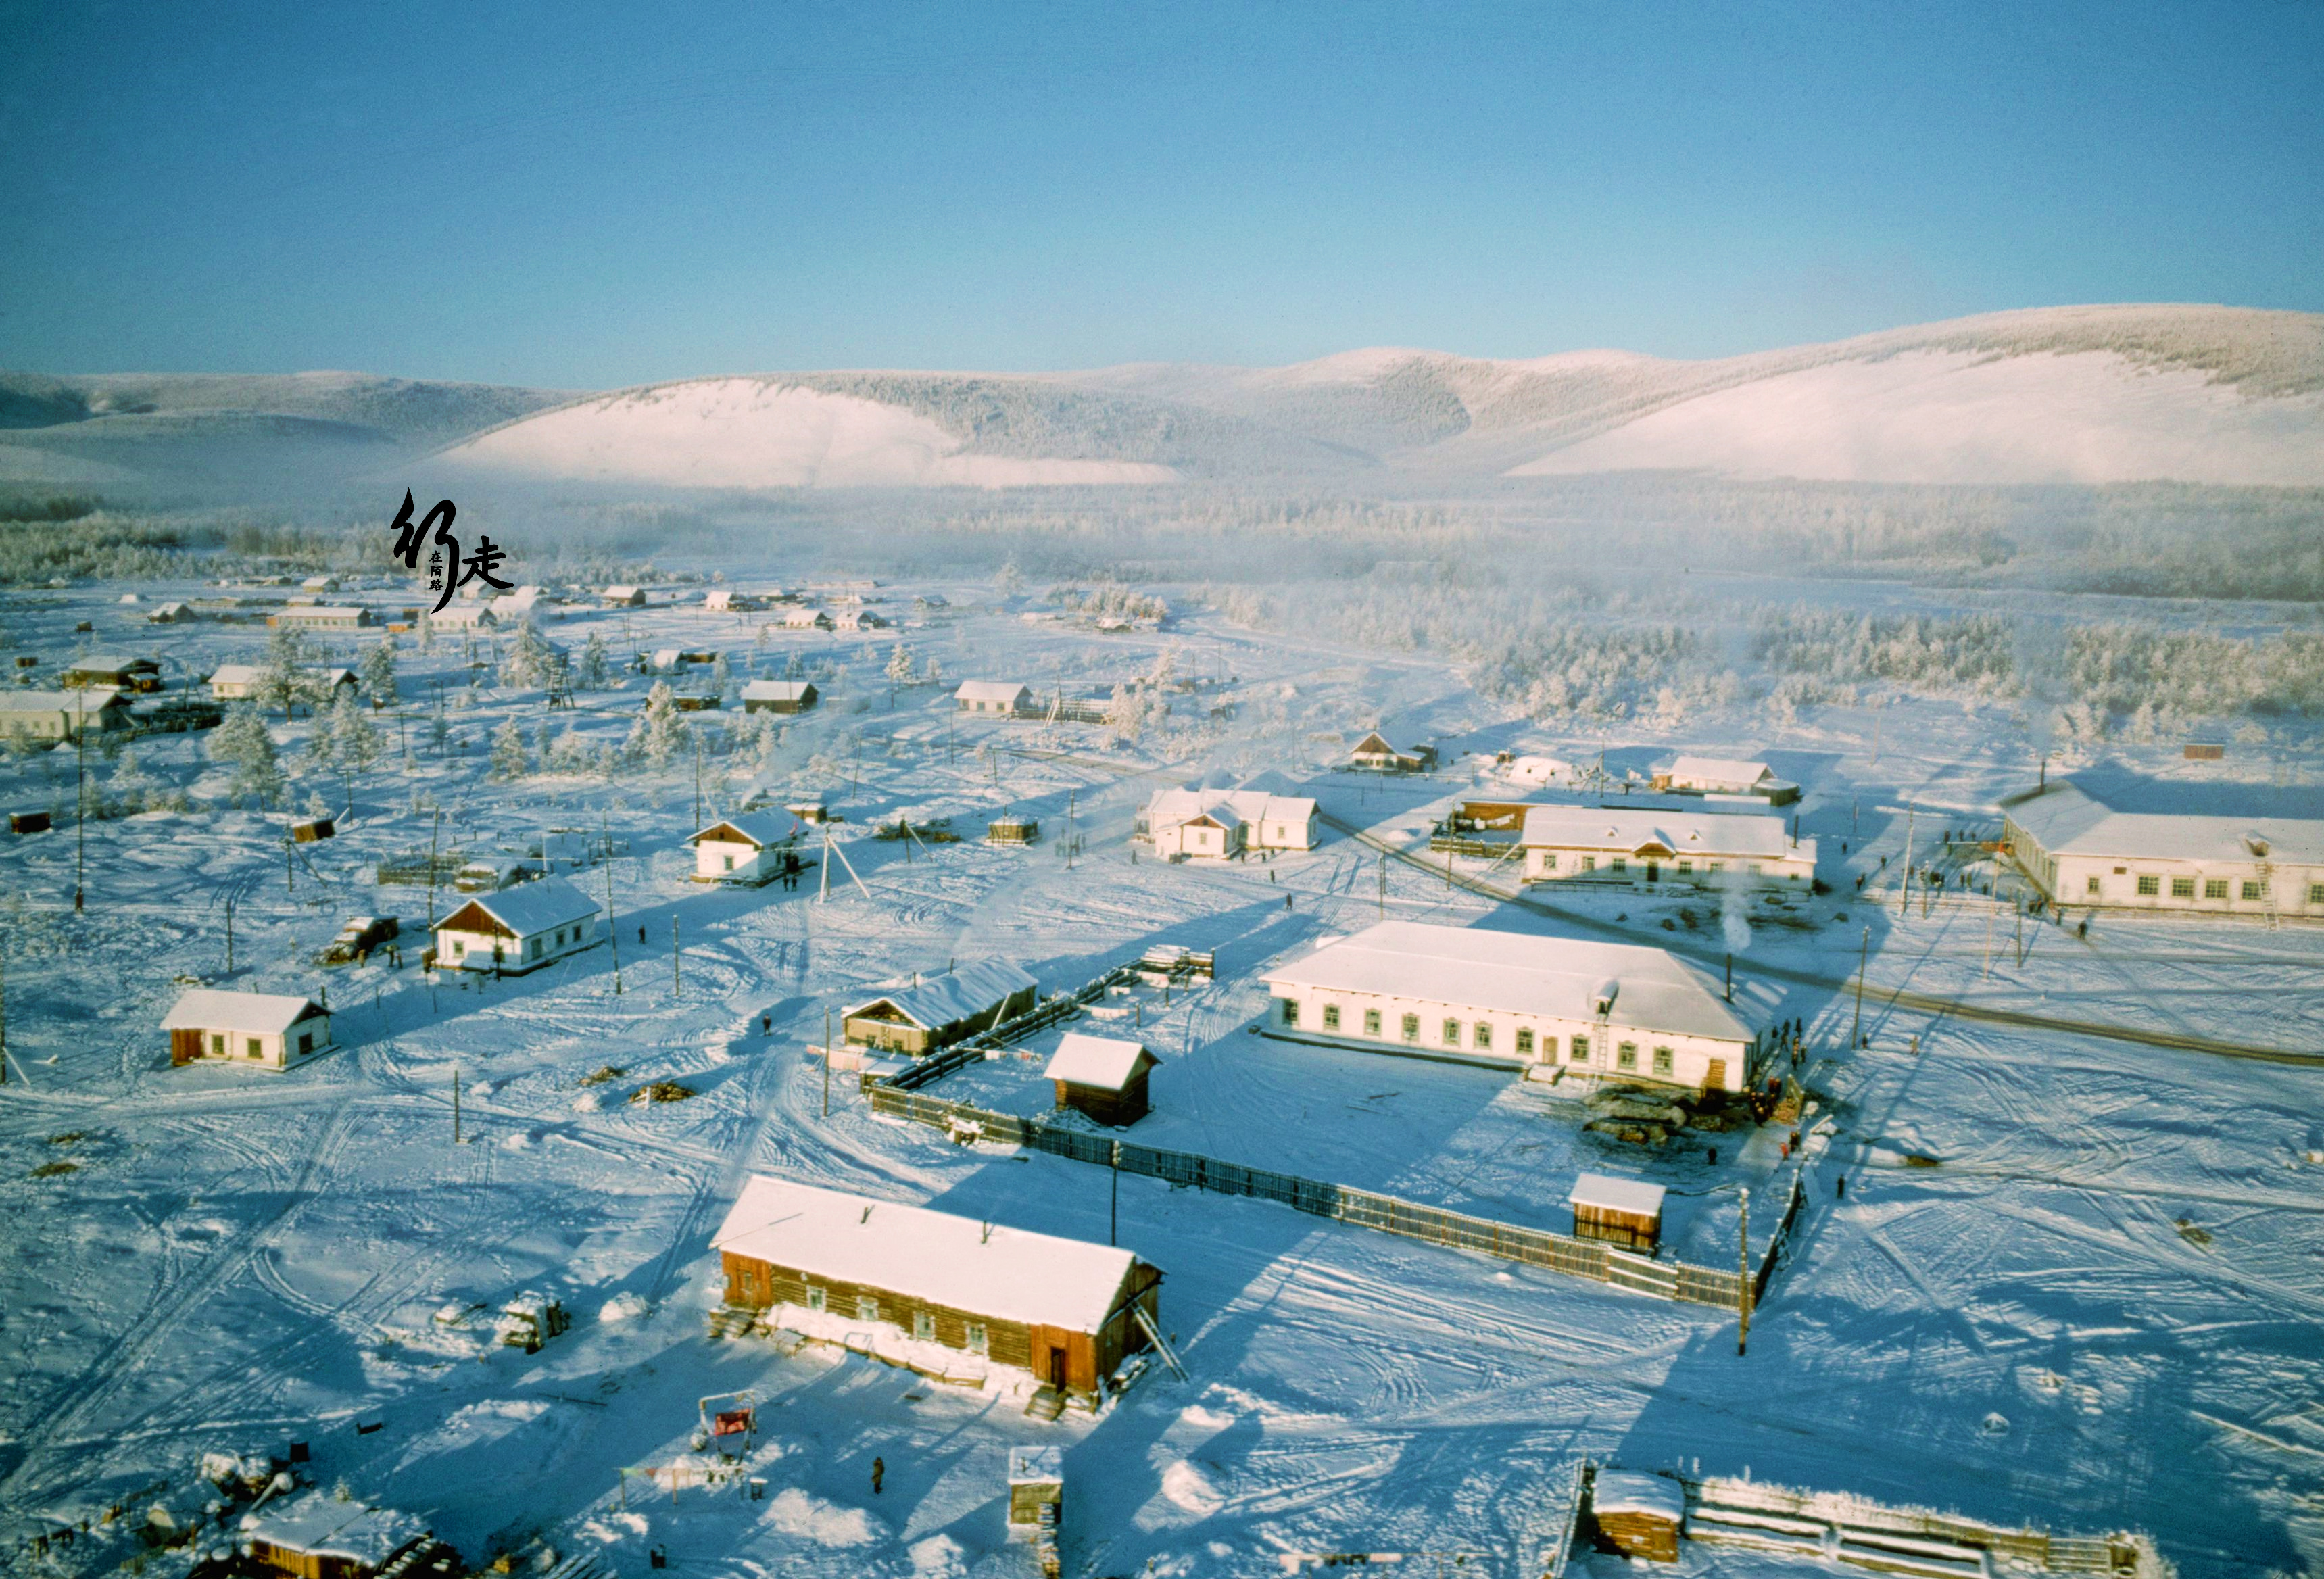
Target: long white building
[(1602, 1011), (2080, 850), (1582, 844)]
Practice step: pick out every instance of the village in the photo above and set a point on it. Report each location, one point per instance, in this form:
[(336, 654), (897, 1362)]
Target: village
[(602, 1078)]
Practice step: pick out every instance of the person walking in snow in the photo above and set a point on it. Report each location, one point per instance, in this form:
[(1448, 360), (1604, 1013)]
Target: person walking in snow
[(879, 1473)]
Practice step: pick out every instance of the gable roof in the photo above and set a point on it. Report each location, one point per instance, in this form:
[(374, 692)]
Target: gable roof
[(533, 907), (1721, 769), (1373, 746), (1170, 807), (1584, 827), (321, 1526), (322, 612), (258, 1013), (1609, 1193), (1514, 973), (93, 700), (990, 690), (2068, 819), (778, 690), (1108, 1063), (940, 1001), (109, 663), (760, 829), (940, 1258)]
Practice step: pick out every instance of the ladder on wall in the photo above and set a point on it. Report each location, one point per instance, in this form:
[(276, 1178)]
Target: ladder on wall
[(1154, 1335), (2266, 869)]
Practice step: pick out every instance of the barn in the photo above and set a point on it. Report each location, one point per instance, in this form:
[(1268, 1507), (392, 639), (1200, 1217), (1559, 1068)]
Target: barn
[(1102, 1077), (1606, 848), (273, 1031), (994, 698), (172, 613), (750, 848), (920, 1019), (517, 930), (316, 1536), (2120, 843), (1724, 776), (38, 716), (833, 1264), (778, 695), (1612, 1012)]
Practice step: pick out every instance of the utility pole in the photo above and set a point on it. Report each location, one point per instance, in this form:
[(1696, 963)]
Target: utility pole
[(1905, 882), (435, 834), (826, 1060), (1383, 885), (674, 983), (1863, 962), (1113, 1202), (230, 935), (613, 931), (80, 794), (698, 778), (286, 853), (2021, 934), (1743, 1273), (456, 1104)]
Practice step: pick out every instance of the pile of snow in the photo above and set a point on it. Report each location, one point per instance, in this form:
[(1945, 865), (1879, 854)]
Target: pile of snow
[(826, 1524), (624, 1307)]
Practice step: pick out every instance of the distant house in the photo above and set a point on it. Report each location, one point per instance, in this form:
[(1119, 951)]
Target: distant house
[(1610, 1011), (518, 929), (624, 596), (994, 697), (322, 617), (1012, 830), (61, 714), (931, 600), (806, 619), (2158, 850), (843, 1267), (750, 848), (319, 584), (725, 599), (270, 1030), (1374, 754), (1724, 776), (111, 671), (514, 606), (859, 619), (941, 1011), (233, 682), (668, 661), (1595, 845), (778, 695), (1102, 1077), (462, 616), (1226, 823), (316, 1536), (172, 613)]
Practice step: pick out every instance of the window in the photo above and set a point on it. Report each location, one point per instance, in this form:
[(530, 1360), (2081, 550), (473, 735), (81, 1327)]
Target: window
[(305, 1041), (1626, 1056), (459, 949), (2183, 888), (729, 862), (2315, 892), (1549, 861), (1484, 1037), (814, 1298), (217, 1045), (2090, 884), (2148, 884), (1713, 867), (251, 1046), (1590, 863), (1578, 1051), (536, 949), (1525, 1042), (977, 1344), (2252, 891), (924, 1325), (1685, 868), (1289, 1011), (1662, 1062), (866, 1308), (2216, 888), (1452, 1034), (1620, 864), (1372, 1023), (1331, 1017), (1412, 1027)]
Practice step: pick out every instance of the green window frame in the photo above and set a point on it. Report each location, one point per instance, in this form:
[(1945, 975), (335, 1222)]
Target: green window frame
[(1412, 1028), (1625, 1055), (2216, 888), (1372, 1023), (924, 1325), (1452, 1034), (2149, 885), (2183, 888), (814, 1298), (1287, 1011), (1664, 1062), (1578, 1051), (866, 1308), (2254, 890), (1525, 1040), (1331, 1017), (976, 1342), (1484, 1037)]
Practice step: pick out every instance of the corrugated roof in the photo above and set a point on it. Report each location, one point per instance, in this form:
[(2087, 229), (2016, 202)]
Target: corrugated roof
[(538, 906), (1584, 827), (763, 829), (939, 1000), (1510, 973), (979, 1268), (2069, 820), (215, 1009), (1103, 1061), (1613, 1194)]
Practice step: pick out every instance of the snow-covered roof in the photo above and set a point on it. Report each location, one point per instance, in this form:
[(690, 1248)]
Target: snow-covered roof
[(804, 616), (621, 591), (256, 1013), (1169, 807), (1036, 1466), (1510, 973), (760, 829), (959, 1262), (535, 907), (517, 602), (1721, 769), (323, 612), (939, 1000), (235, 674), (460, 614), (56, 701), (2070, 821), (1608, 1192), (1584, 827), (108, 663), (668, 657), (776, 690), (321, 1526), (1619, 1490), (989, 690), (1105, 1062)]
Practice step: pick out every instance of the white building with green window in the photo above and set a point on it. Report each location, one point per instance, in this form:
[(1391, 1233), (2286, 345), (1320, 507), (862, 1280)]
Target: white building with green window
[(518, 929), (1599, 1011), (2093, 846), (1592, 845)]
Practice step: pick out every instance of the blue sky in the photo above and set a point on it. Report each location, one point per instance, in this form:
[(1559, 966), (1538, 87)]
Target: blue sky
[(587, 195)]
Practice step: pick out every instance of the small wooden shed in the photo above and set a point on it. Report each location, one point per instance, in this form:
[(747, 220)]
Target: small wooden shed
[(1639, 1515), (1012, 830), (28, 822), (1036, 1484), (1620, 1211), (1102, 1077), (309, 830)]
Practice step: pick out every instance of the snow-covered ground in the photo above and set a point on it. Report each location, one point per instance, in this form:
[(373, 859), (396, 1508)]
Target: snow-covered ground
[(2073, 1280)]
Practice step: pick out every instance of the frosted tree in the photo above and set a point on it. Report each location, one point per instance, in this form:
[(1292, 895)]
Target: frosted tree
[(355, 742), (439, 733), (1010, 579), (930, 673), (130, 786), (660, 731), (529, 658), (282, 679), (243, 744), (427, 632), (722, 678), (900, 667), (595, 668), (379, 673), (1126, 712), (510, 760)]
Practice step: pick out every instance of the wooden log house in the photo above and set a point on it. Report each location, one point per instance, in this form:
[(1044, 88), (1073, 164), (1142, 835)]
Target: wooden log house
[(1639, 1515), (1102, 1077), (926, 1016), (318, 1537)]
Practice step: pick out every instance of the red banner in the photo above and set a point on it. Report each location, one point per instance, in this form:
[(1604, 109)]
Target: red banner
[(730, 1423)]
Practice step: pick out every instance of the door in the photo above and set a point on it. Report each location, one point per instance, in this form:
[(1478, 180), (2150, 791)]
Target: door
[(1714, 1074), (1654, 871), (1057, 1366)]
